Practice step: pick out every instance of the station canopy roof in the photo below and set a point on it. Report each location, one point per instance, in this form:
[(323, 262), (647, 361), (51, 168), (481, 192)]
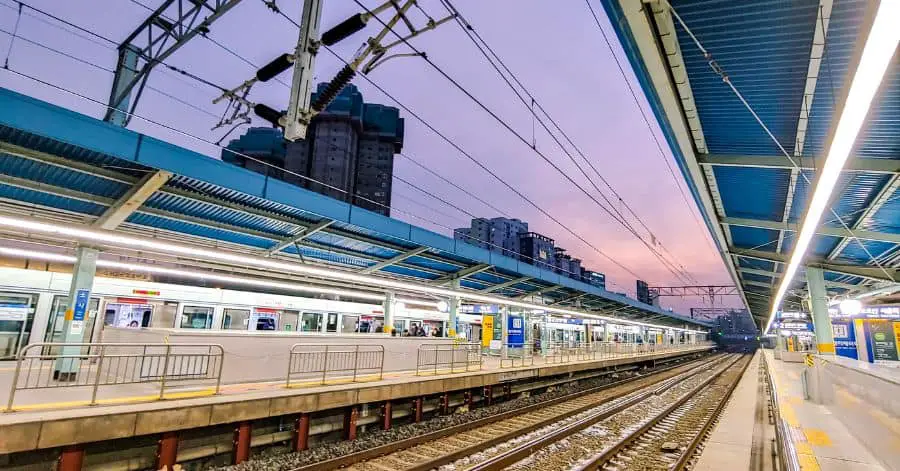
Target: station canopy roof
[(70, 167), (792, 62)]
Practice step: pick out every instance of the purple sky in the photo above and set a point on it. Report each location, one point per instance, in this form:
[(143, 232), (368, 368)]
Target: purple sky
[(554, 48)]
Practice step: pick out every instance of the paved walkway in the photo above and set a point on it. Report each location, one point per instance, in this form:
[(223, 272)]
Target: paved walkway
[(822, 441)]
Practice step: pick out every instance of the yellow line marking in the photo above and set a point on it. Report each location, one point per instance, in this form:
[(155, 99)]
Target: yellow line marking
[(808, 463), (117, 400), (803, 448), (787, 412), (817, 437)]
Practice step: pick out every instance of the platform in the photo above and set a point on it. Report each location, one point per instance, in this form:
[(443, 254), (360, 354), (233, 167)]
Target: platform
[(823, 441), (52, 426)]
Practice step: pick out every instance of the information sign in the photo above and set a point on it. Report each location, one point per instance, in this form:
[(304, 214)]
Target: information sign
[(82, 297), (516, 331), (487, 329)]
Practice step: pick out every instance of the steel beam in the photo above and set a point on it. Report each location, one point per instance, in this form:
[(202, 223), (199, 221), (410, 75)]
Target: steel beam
[(567, 299), (885, 194), (862, 271), (822, 230), (133, 199), (458, 275), (393, 260), (157, 38), (540, 291), (854, 163), (289, 241), (505, 284)]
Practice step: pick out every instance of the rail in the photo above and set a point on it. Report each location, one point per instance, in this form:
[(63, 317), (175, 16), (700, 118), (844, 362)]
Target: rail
[(784, 445), (448, 358), (516, 355), (321, 363), (89, 366)]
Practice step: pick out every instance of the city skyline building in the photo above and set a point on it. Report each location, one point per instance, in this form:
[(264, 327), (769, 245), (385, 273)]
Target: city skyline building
[(348, 153)]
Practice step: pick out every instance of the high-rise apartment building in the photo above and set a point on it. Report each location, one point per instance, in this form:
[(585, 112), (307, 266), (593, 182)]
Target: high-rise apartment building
[(495, 234), (537, 249), (348, 153)]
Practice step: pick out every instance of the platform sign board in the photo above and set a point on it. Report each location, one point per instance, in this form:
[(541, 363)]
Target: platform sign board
[(844, 338), (515, 331), (82, 297), (487, 329), (883, 340)]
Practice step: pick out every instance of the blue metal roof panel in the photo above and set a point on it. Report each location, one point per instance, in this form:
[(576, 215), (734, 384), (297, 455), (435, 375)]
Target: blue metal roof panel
[(755, 264), (754, 237), (218, 213), (46, 199), (758, 278), (59, 176), (327, 256), (854, 252), (765, 50), (753, 192), (183, 227), (887, 218), (856, 190)]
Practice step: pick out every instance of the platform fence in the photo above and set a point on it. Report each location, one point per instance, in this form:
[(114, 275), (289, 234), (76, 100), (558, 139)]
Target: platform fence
[(324, 363), (90, 366), (516, 355), (786, 453), (455, 357)]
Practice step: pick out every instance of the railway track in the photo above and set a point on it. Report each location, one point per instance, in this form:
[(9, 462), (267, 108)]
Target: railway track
[(662, 432), (446, 446)]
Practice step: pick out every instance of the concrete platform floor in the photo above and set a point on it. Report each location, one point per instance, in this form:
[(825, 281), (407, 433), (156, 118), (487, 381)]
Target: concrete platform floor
[(740, 440)]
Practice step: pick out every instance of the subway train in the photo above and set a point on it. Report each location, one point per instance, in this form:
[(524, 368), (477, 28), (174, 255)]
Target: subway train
[(33, 305)]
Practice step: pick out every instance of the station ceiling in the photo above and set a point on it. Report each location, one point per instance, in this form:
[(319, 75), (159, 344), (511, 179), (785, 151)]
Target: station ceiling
[(792, 63)]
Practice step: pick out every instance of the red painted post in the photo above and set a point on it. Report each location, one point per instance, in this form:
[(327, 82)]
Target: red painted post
[(240, 451), (301, 432), (350, 416), (167, 450), (386, 411), (445, 404), (71, 458), (467, 398), (488, 395), (417, 406)]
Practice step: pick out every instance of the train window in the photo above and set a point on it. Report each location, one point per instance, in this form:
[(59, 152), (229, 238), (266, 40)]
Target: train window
[(196, 317), (16, 318), (331, 325), (55, 324), (311, 322), (235, 319)]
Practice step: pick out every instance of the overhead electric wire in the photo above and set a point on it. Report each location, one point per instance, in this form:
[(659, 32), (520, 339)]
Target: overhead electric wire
[(476, 161), (485, 48)]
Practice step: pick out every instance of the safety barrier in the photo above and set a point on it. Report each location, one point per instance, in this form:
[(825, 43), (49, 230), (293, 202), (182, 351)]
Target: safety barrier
[(82, 366), (339, 362), (567, 352), (448, 358), (516, 355), (784, 443)]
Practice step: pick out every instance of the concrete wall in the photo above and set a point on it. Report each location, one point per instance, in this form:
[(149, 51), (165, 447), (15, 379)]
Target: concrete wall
[(263, 356)]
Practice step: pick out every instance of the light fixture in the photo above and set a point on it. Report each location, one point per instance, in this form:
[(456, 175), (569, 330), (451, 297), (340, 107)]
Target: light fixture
[(876, 56), (850, 307), (81, 233)]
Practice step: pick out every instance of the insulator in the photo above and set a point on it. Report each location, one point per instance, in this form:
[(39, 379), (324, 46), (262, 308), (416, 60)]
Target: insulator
[(277, 66), (333, 88), (269, 114), (344, 29)]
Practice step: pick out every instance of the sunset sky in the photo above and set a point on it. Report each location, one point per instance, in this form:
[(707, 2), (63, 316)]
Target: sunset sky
[(555, 49)]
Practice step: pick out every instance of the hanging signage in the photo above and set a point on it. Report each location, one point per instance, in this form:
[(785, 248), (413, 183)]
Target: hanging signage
[(480, 308), (13, 312), (487, 329), (515, 331)]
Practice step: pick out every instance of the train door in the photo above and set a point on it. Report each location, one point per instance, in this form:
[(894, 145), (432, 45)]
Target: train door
[(127, 312), (235, 318), (290, 321), (195, 316), (264, 319), (331, 325), (349, 323), (56, 321), (16, 319)]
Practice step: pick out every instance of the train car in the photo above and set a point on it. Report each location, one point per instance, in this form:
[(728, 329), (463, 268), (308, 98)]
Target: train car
[(33, 305)]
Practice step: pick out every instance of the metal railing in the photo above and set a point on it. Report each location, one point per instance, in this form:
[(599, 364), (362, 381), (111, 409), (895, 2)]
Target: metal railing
[(454, 357), (337, 362), (83, 366), (516, 355), (784, 444)]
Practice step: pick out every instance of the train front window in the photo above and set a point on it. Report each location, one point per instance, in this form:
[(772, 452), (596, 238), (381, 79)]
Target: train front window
[(196, 317)]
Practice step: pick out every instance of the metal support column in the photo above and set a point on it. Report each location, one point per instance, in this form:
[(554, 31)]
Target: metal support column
[(351, 414), (504, 325), (71, 458), (445, 403), (301, 432), (454, 310), (387, 410), (389, 304), (167, 450), (126, 70), (418, 409), (68, 364), (240, 450), (815, 279), (488, 394)]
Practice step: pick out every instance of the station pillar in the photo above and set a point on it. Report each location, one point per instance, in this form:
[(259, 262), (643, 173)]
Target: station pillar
[(815, 279), (504, 326), (454, 311), (389, 302), (605, 331), (67, 366)]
